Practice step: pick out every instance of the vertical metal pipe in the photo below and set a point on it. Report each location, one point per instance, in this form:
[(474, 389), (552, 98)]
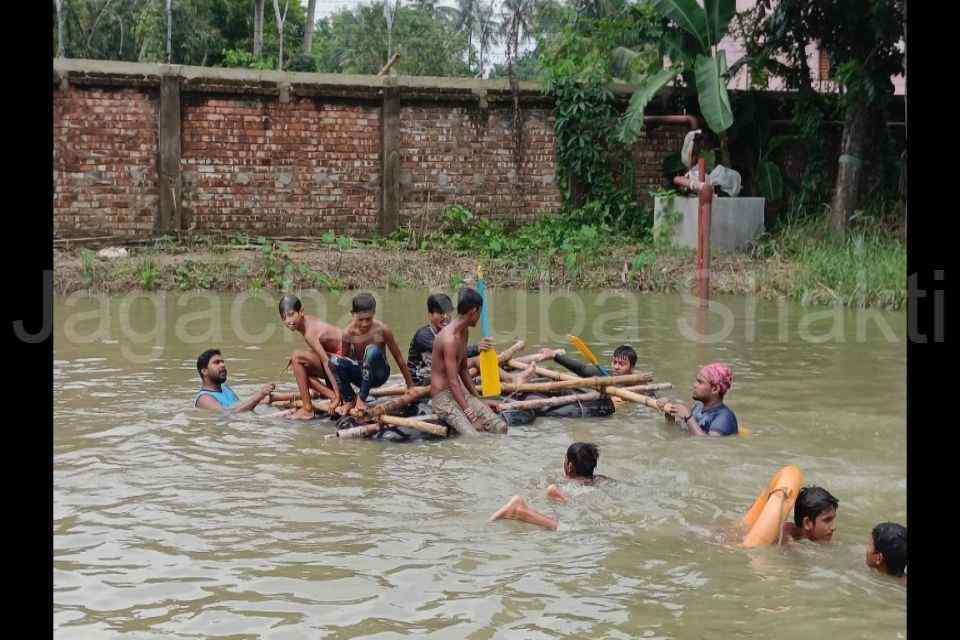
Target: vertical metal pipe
[(703, 235)]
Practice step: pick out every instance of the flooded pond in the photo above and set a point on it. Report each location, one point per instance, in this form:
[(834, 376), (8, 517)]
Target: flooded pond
[(171, 522)]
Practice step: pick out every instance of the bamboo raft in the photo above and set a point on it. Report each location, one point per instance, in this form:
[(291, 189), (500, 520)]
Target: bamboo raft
[(572, 389)]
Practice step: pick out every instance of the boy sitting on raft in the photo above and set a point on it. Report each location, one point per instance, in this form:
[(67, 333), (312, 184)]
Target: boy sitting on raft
[(814, 516), (311, 368), (214, 392), (362, 360), (420, 355), (887, 550), (452, 394), (709, 415), (578, 467)]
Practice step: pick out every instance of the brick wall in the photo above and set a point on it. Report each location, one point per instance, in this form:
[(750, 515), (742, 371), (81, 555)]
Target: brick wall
[(451, 154), (270, 153), (304, 167), (104, 162)]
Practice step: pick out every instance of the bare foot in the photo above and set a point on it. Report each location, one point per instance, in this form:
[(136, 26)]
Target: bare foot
[(302, 414), (554, 493), (343, 409), (509, 510), (360, 406)]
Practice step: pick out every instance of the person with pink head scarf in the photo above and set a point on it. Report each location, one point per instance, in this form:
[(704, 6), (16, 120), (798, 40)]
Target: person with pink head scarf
[(709, 415)]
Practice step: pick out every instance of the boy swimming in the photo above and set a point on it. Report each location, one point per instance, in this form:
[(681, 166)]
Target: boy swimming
[(578, 467), (814, 516)]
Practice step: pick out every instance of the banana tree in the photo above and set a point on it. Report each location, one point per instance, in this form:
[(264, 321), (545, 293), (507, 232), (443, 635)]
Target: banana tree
[(693, 53)]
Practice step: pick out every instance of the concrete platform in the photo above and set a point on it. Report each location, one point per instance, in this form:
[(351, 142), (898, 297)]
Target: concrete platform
[(734, 222)]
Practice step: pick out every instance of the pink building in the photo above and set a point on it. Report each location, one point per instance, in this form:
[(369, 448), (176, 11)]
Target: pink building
[(816, 60)]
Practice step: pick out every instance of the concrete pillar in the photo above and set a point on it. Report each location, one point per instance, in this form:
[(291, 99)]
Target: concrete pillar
[(168, 218), (389, 217)]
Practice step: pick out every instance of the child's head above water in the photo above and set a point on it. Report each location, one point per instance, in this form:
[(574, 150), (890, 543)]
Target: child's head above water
[(581, 459), (624, 360), (887, 548), (815, 513)]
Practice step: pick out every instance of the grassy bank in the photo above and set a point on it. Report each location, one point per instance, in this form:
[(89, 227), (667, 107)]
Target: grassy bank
[(798, 261)]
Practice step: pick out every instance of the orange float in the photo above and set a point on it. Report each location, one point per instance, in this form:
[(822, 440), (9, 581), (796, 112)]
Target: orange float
[(764, 520)]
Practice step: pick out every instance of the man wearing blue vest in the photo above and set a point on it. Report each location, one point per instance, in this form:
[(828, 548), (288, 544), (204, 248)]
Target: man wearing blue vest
[(214, 392)]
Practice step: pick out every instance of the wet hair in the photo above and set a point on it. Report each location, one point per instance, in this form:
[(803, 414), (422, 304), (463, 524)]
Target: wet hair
[(289, 303), (890, 539), (204, 359), (811, 502), (363, 303), (626, 352), (467, 300), (439, 303), (583, 456)]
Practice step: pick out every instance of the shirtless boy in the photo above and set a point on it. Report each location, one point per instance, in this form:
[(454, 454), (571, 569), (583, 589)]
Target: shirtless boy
[(312, 367), (362, 360), (452, 393)]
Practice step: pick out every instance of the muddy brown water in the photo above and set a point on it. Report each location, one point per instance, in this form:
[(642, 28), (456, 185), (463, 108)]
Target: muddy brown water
[(173, 523)]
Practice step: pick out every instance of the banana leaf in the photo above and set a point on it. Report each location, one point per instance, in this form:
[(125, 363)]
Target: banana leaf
[(769, 180), (712, 91), (719, 13), (632, 122), (689, 15)]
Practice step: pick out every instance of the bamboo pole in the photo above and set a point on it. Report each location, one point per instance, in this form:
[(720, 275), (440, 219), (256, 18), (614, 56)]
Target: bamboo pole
[(538, 403), (413, 423), (408, 398), (596, 382)]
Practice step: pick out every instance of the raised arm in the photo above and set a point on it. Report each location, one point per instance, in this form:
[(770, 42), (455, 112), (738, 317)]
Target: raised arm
[(391, 342)]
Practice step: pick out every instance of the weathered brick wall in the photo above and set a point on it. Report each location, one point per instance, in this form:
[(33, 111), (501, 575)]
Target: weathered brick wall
[(269, 153), (252, 164), (655, 144), (104, 162), (452, 154)]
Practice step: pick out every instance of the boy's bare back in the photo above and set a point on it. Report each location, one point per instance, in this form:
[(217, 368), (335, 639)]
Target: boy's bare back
[(328, 334), (446, 343)]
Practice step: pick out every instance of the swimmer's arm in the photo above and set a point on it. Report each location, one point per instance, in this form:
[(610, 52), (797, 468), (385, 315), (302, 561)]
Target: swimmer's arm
[(254, 400), (313, 341), (582, 369), (397, 356), (680, 412)]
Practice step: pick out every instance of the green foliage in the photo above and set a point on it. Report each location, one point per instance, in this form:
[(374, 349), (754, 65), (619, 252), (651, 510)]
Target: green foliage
[(241, 58), (148, 274), (355, 41), (769, 180), (204, 31), (277, 269), (87, 259), (866, 268)]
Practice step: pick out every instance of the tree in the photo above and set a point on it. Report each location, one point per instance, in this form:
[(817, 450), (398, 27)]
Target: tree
[(280, 20), (257, 28), (60, 44), (860, 38), (309, 26), (169, 30), (692, 48), (355, 41)]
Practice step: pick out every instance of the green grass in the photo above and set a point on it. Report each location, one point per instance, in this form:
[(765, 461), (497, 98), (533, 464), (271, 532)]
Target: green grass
[(867, 268)]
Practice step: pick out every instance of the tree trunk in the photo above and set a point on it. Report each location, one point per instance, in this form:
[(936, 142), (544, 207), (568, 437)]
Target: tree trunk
[(308, 27), (257, 28), (280, 21), (169, 31), (846, 195), (60, 46)]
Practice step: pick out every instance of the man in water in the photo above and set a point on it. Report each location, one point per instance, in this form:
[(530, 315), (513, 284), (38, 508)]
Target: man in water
[(578, 467), (814, 516), (709, 415), (887, 550), (311, 368), (214, 392), (362, 360), (453, 396), (420, 355)]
